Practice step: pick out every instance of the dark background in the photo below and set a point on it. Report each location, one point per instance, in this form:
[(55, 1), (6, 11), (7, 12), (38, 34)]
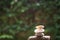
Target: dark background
[(18, 18)]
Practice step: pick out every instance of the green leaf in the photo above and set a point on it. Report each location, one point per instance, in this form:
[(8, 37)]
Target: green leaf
[(6, 36)]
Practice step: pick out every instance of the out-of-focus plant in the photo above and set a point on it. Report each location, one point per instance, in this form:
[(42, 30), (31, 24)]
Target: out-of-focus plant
[(6, 36), (17, 16)]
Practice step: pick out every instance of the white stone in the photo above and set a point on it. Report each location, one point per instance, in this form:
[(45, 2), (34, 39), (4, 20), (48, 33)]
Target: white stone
[(39, 30), (39, 34), (32, 37), (46, 37)]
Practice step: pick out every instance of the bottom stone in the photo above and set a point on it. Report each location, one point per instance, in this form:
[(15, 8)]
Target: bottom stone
[(39, 38)]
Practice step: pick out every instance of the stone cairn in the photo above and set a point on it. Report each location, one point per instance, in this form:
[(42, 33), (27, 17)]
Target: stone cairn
[(39, 34)]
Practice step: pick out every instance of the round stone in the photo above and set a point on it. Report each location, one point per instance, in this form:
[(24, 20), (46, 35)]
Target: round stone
[(39, 30), (40, 27)]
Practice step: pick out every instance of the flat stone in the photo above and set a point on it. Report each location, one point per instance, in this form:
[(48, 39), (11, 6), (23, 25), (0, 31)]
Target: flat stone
[(39, 38)]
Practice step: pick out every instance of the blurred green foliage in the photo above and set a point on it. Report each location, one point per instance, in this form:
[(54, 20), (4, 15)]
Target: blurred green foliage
[(6, 36), (17, 18)]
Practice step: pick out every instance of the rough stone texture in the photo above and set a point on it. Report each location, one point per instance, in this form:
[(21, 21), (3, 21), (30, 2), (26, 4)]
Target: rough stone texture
[(39, 38)]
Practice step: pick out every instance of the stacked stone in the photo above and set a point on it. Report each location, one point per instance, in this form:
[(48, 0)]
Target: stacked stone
[(39, 31), (39, 34)]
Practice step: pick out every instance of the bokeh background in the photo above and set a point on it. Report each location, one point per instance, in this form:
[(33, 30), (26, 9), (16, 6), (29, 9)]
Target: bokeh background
[(18, 18)]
